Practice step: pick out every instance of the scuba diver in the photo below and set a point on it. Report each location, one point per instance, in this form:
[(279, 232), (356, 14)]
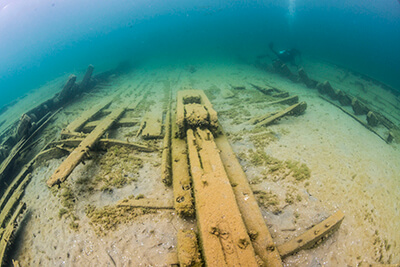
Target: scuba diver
[(287, 55)]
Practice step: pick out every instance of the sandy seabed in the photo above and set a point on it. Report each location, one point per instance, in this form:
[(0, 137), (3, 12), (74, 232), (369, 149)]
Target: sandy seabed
[(352, 170)]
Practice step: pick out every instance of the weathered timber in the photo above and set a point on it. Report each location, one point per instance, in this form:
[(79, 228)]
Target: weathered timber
[(86, 79), (147, 203), (181, 181), (288, 101), (326, 88), (196, 115), (261, 118), (9, 231), (306, 80), (122, 122), (166, 175), (67, 91), (14, 200), (14, 184), (356, 118), (104, 144), (224, 238), (312, 236), (359, 107), (188, 249), (261, 239), (152, 128), (295, 109), (7, 163), (344, 98), (65, 169), (281, 95), (238, 87), (267, 90), (76, 125), (194, 109)]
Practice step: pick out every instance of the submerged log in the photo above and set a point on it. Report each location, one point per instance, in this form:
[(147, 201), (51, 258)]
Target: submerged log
[(312, 236), (66, 168)]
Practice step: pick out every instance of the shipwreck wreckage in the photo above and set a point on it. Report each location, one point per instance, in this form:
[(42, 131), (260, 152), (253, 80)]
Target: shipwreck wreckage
[(197, 161)]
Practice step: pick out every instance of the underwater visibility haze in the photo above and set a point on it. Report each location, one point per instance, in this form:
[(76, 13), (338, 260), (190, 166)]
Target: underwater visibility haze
[(210, 132), (40, 40)]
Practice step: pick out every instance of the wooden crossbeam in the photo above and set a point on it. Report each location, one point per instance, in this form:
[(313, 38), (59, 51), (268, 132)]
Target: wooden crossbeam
[(66, 168)]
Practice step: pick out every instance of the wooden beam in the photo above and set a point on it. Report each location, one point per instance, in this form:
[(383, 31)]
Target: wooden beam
[(295, 109), (181, 180), (122, 122), (166, 175), (76, 125), (8, 232), (224, 238), (65, 169), (260, 236), (312, 236)]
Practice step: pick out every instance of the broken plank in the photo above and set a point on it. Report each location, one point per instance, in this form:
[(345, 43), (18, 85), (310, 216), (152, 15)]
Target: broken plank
[(261, 239), (76, 125), (188, 248), (152, 125), (312, 236), (147, 203), (295, 109), (223, 235), (66, 168)]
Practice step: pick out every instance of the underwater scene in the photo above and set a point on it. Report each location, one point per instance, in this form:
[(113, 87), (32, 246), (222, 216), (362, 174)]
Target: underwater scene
[(200, 133)]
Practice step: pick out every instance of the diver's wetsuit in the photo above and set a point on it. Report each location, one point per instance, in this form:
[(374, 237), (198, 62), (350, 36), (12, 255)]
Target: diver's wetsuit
[(287, 55)]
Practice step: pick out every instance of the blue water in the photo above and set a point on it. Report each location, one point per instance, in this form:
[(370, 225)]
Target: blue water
[(42, 39)]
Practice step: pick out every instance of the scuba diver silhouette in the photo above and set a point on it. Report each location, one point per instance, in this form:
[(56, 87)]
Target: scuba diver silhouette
[(287, 55)]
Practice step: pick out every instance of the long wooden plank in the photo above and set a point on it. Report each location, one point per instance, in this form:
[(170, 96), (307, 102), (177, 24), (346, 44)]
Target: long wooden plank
[(66, 168), (223, 235), (263, 243), (166, 176), (181, 181), (294, 109), (76, 125), (312, 236)]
